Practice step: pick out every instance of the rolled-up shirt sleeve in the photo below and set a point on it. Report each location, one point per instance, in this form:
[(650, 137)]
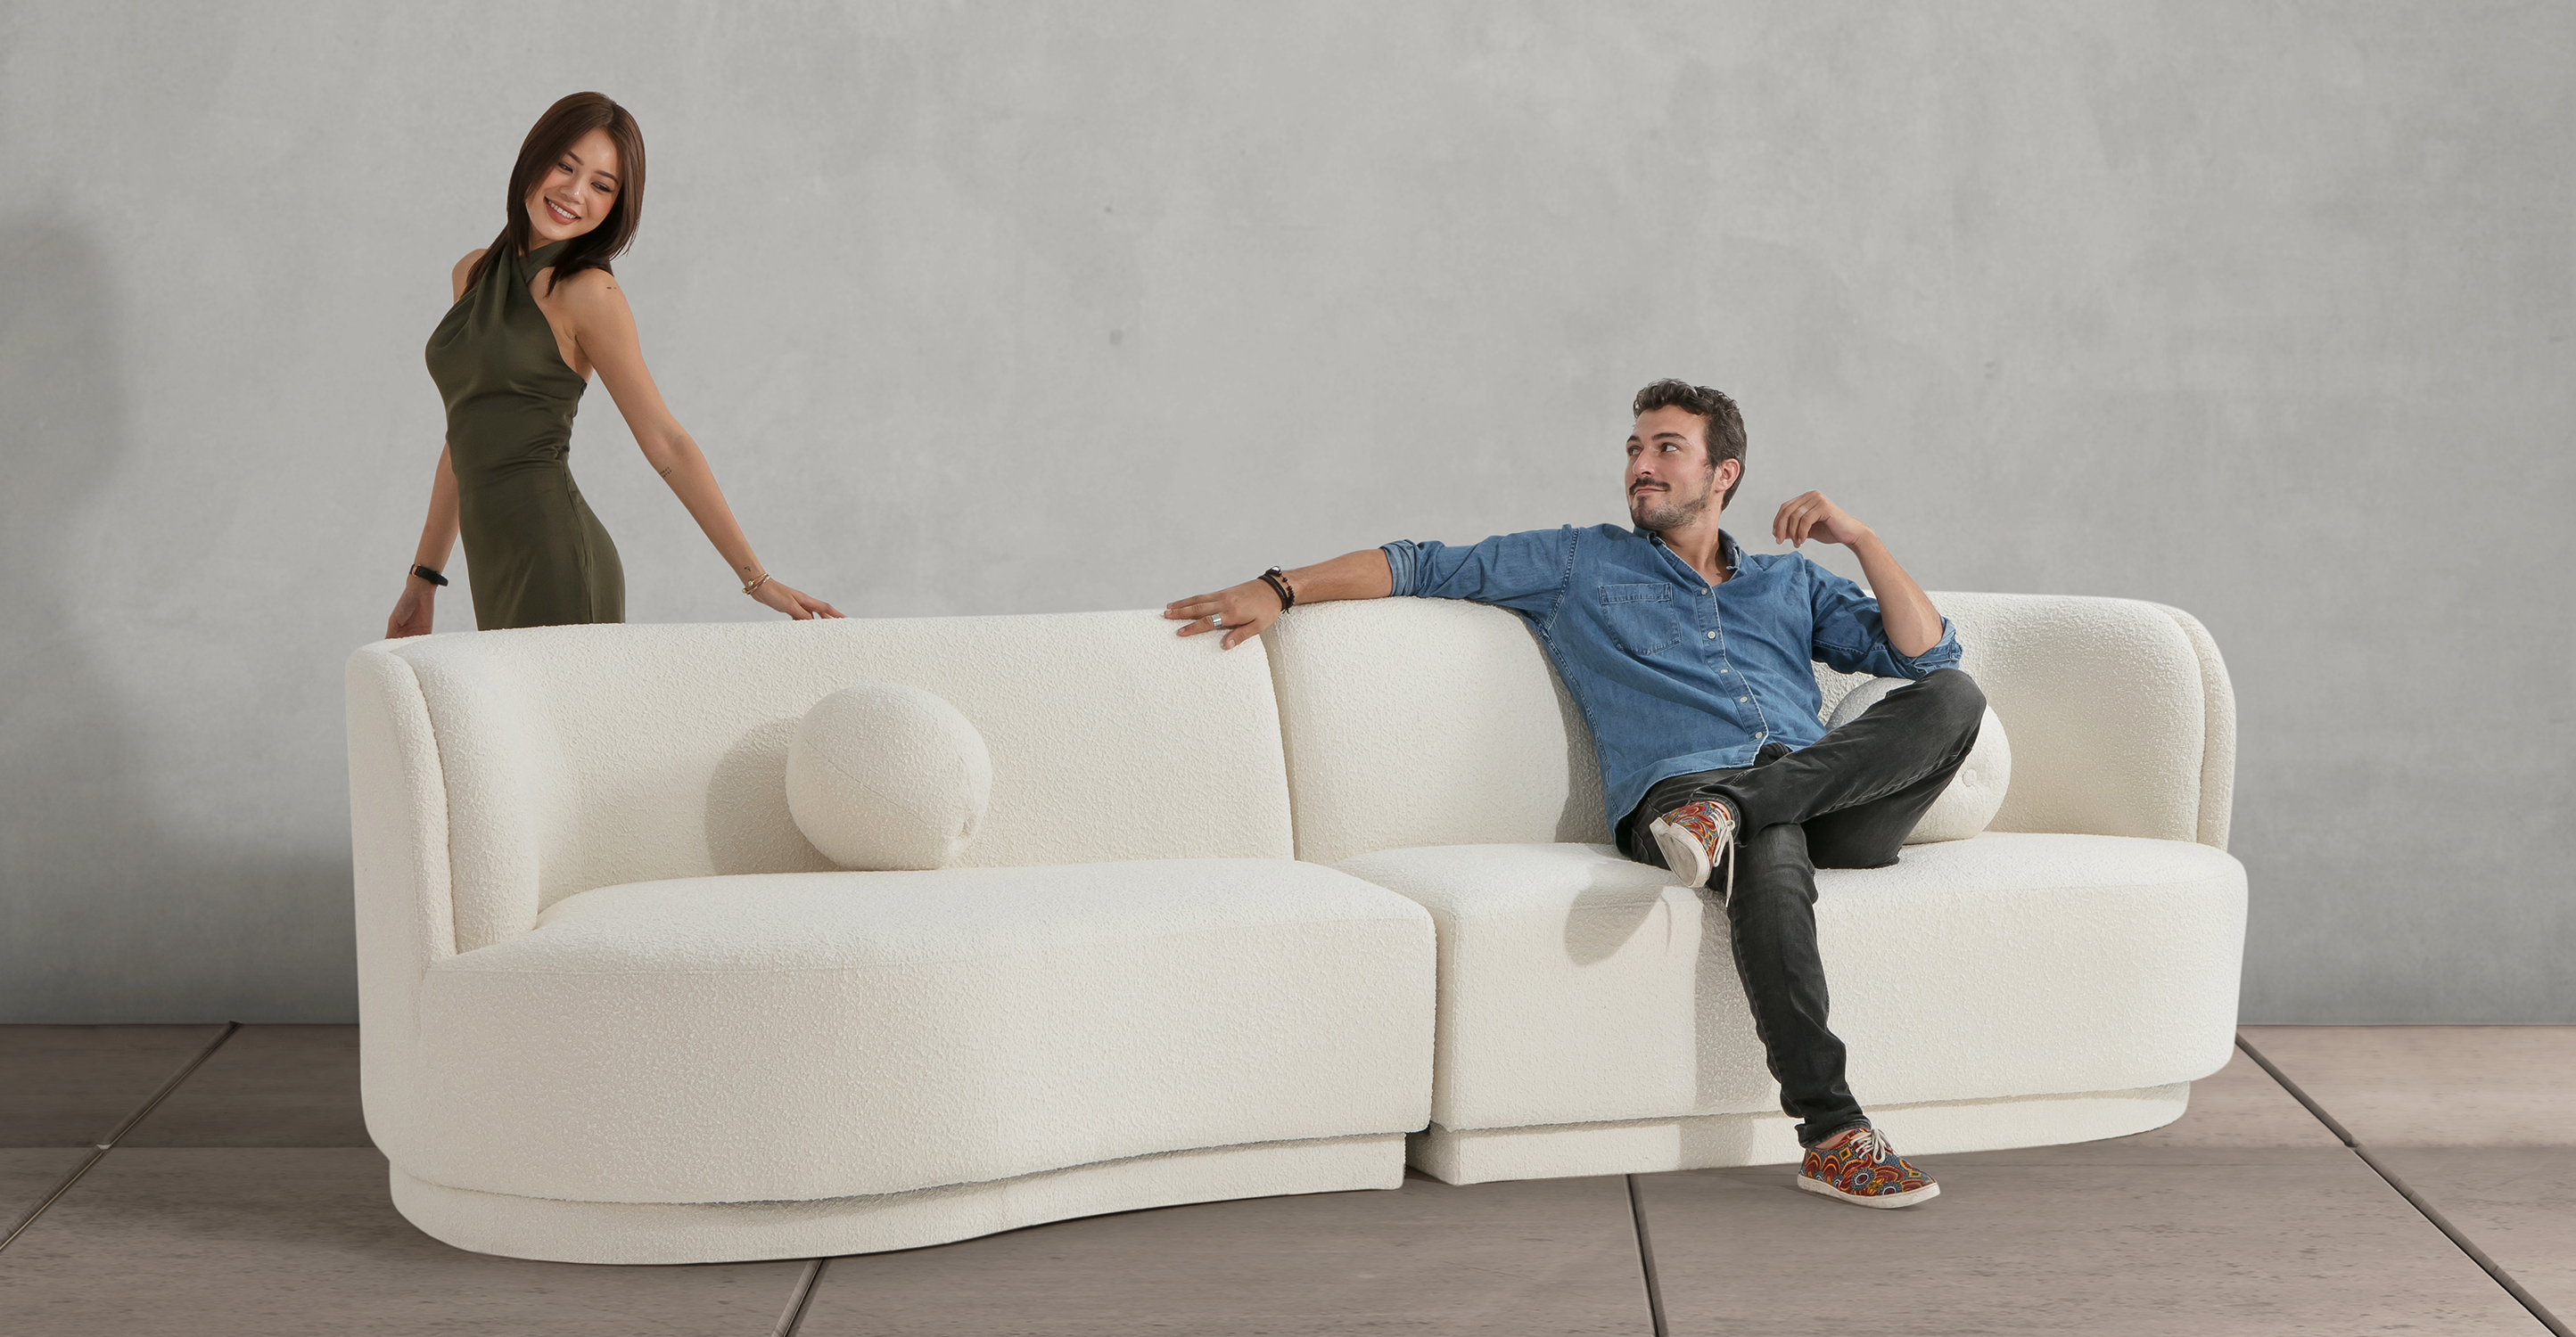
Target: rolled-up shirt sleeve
[(1401, 558), (1851, 637), (1525, 572)]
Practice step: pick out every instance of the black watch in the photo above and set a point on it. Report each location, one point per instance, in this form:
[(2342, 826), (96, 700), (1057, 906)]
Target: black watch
[(431, 576)]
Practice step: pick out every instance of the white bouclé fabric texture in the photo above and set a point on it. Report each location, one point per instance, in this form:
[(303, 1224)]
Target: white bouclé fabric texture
[(1416, 722), (617, 1007), (582, 757), (1975, 791), (1575, 987), (884, 776), (1427, 722), (823, 1035), (398, 829), (2218, 731), (2108, 710)]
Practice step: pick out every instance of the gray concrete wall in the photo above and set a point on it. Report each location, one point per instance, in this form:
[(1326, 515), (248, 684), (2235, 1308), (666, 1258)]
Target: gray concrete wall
[(2263, 311)]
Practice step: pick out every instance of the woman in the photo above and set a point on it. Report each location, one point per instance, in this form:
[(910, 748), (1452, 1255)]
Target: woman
[(535, 313)]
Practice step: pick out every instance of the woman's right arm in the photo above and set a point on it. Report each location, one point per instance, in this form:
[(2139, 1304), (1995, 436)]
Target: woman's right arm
[(412, 612), (437, 539)]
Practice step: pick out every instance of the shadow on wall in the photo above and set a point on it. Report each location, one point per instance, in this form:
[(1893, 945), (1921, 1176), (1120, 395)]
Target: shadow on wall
[(108, 910)]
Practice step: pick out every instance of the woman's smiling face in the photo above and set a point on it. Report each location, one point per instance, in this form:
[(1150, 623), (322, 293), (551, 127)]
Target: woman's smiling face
[(576, 193)]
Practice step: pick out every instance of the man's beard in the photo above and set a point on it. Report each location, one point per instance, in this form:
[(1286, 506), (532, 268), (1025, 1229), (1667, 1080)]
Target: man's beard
[(1672, 514)]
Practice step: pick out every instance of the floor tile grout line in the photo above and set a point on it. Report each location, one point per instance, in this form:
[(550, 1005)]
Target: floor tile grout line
[(793, 1317), (99, 1150), (2476, 1255), (1646, 1259), (2458, 1238), (231, 1028), (2342, 1134), (96, 1154)]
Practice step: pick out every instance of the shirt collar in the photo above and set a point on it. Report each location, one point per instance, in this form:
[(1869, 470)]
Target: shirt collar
[(1727, 553)]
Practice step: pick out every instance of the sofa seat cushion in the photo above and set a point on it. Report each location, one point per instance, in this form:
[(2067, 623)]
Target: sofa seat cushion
[(813, 1035), (1576, 986)]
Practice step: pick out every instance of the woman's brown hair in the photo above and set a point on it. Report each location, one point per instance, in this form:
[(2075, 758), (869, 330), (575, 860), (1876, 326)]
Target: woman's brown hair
[(554, 133)]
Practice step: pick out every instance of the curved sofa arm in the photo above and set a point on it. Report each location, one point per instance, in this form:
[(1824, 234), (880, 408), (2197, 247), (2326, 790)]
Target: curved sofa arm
[(399, 861), (2119, 725), (2218, 733), (490, 760)]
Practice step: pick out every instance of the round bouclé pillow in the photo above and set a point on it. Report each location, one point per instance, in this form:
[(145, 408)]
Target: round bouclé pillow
[(884, 776), (1975, 794)]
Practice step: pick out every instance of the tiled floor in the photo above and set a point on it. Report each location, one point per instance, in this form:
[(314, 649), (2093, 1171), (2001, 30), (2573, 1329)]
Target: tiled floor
[(248, 1200)]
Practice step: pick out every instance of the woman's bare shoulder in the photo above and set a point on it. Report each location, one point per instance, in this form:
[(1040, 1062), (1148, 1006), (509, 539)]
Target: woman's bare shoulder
[(456, 276), (593, 295), (591, 284)]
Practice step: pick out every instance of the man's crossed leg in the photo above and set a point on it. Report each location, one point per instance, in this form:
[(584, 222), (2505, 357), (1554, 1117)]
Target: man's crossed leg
[(1848, 801)]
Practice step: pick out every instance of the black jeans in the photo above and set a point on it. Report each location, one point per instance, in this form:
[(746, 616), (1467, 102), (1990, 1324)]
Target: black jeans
[(1849, 801)]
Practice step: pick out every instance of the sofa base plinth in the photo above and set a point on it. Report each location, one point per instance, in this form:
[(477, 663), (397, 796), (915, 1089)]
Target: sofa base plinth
[(551, 1230), (1715, 1141)]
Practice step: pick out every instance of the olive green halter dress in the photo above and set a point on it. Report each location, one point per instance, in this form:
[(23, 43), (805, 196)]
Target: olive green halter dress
[(536, 555)]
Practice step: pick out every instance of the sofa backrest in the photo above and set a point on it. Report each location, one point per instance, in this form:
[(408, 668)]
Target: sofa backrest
[(1414, 722), (581, 757)]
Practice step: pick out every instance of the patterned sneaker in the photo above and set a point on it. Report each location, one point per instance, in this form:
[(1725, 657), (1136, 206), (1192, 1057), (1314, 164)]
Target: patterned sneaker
[(1695, 838), (1863, 1169)]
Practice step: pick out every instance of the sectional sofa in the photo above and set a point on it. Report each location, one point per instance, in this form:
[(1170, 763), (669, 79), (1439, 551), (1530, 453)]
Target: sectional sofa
[(1274, 920)]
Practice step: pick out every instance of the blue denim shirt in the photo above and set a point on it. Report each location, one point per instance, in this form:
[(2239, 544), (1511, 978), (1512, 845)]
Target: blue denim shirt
[(1673, 675)]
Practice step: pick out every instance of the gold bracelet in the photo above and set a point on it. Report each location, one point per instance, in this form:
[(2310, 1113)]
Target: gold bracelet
[(754, 585)]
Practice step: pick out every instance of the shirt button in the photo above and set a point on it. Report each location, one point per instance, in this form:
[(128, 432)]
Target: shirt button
[(1743, 698), (1712, 635), (1761, 733)]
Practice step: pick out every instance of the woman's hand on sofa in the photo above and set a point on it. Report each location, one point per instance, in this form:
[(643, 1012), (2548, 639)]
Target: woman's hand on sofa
[(794, 603), (413, 611), (1243, 611)]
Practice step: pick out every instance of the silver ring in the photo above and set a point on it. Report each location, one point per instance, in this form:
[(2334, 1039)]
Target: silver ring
[(1216, 620)]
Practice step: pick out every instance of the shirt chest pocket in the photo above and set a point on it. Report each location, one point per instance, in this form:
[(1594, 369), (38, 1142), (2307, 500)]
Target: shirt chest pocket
[(1641, 618)]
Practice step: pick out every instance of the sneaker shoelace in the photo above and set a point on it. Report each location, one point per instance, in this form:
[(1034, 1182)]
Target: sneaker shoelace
[(1729, 851), (1865, 1144), (1724, 852)]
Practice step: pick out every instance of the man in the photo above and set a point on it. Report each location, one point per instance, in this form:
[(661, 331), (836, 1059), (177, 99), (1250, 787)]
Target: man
[(1692, 663)]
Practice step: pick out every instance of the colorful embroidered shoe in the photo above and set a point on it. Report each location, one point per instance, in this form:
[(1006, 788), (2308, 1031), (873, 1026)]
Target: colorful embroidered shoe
[(1695, 838), (1863, 1169)]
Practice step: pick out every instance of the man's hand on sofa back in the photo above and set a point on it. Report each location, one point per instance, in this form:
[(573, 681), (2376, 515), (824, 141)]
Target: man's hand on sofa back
[(1247, 610)]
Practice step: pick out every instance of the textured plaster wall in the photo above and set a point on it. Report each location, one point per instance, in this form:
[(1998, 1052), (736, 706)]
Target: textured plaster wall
[(2263, 311)]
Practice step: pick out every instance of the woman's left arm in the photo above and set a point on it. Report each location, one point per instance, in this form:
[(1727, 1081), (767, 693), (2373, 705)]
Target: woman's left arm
[(605, 328)]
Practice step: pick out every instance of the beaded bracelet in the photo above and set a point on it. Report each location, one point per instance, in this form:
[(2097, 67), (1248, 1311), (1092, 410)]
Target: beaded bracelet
[(1278, 582)]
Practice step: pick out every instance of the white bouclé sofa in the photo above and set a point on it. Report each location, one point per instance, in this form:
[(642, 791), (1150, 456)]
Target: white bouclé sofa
[(1235, 924)]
